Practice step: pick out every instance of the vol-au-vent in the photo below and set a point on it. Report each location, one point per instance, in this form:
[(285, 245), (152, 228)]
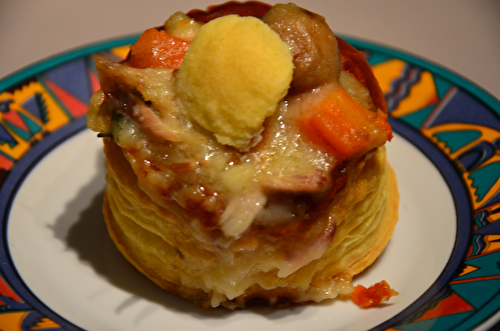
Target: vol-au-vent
[(245, 158)]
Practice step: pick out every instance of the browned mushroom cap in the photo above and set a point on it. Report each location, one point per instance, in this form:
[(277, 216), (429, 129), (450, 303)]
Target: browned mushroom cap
[(313, 45)]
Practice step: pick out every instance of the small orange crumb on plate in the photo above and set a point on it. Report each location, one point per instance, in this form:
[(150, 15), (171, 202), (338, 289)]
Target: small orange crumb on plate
[(372, 296)]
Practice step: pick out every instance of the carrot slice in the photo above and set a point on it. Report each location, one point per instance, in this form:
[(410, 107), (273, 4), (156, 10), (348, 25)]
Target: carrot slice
[(157, 49), (343, 127), (372, 296)]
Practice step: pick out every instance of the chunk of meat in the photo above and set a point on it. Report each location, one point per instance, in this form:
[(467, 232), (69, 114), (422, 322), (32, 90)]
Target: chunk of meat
[(316, 182), (119, 85)]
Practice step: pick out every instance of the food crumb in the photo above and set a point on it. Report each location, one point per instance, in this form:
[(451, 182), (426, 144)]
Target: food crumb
[(372, 296)]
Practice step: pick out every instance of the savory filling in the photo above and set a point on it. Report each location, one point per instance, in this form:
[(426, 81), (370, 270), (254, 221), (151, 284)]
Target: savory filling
[(257, 155)]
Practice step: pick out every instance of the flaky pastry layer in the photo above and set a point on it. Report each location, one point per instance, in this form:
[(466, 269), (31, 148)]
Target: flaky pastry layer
[(185, 261)]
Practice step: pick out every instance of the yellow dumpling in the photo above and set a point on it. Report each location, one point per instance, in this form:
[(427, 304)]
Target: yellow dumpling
[(233, 76)]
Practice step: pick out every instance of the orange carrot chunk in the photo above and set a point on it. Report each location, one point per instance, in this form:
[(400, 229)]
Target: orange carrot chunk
[(157, 49), (342, 126), (372, 296)]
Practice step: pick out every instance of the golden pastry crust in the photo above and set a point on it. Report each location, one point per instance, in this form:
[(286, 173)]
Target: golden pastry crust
[(158, 243)]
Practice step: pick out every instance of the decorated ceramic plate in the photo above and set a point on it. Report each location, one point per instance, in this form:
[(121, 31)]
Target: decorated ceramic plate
[(60, 271)]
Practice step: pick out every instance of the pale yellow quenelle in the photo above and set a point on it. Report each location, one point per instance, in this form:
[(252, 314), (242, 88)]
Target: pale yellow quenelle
[(234, 74)]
